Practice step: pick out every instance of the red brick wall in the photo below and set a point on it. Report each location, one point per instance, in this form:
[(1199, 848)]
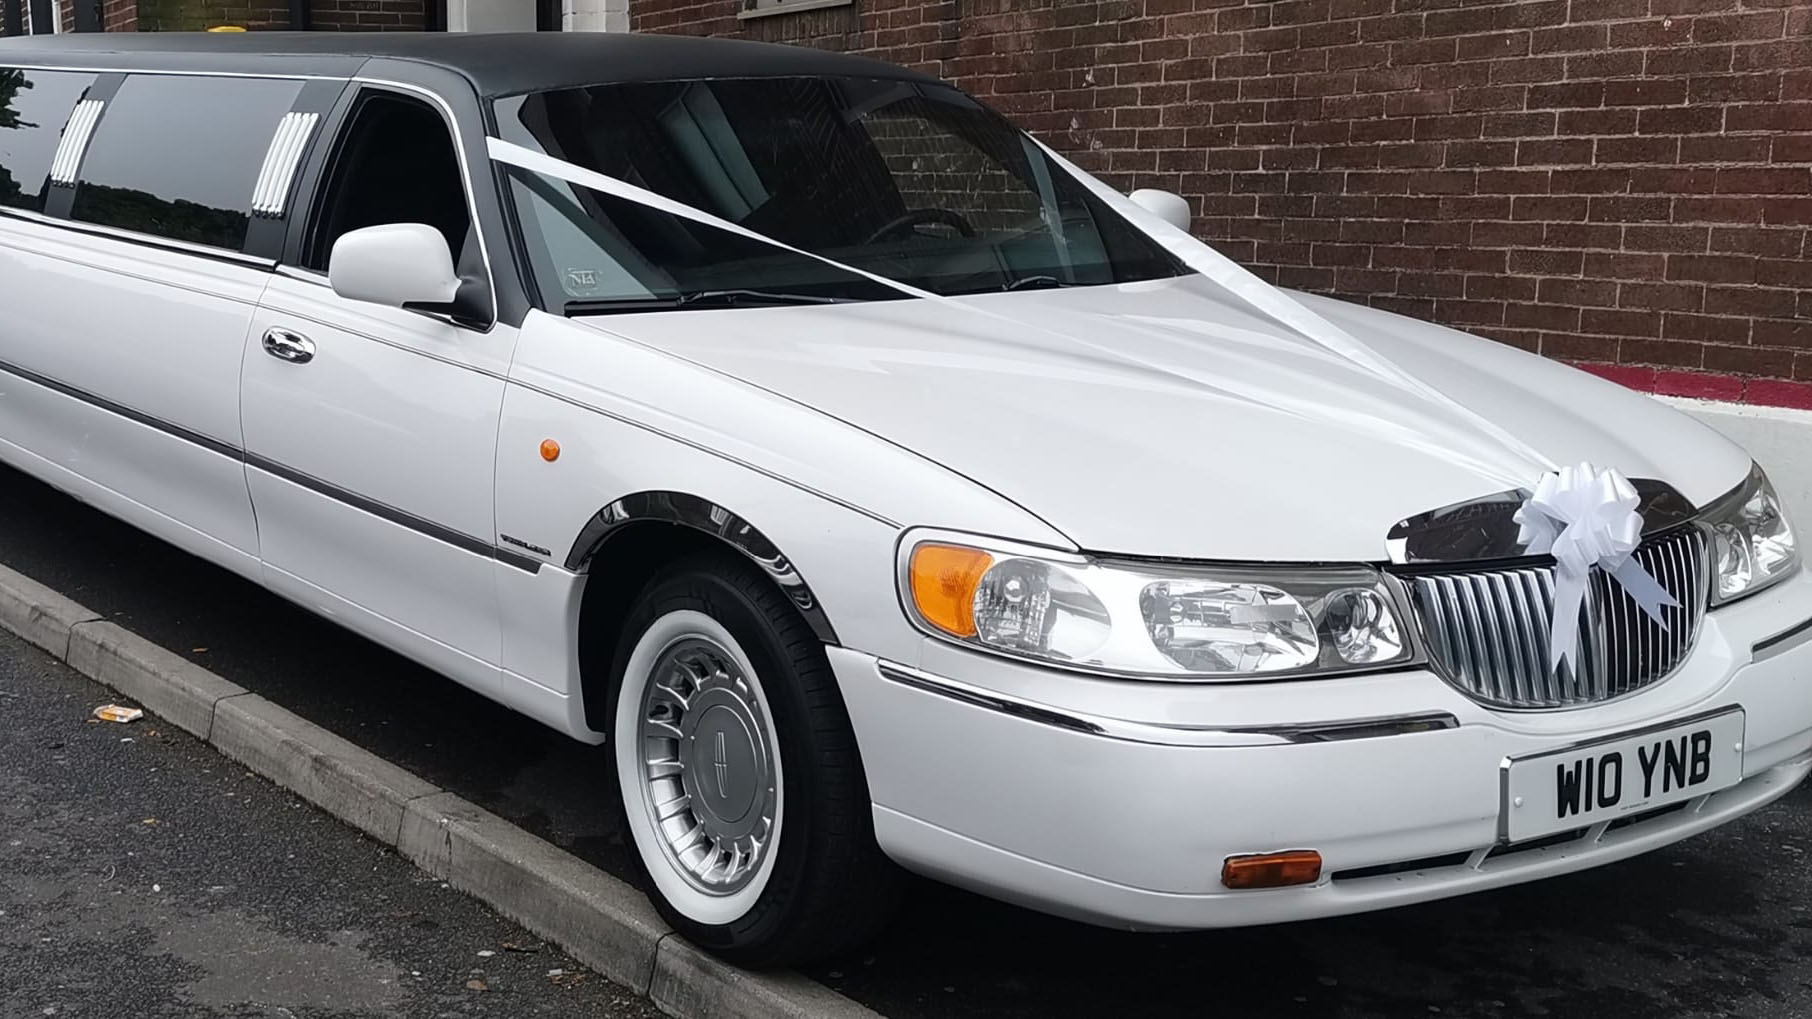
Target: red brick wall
[(366, 15), (263, 15), (119, 15), (116, 15), (1615, 181)]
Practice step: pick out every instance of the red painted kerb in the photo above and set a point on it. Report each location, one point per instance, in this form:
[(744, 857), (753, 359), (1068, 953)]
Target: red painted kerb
[(1705, 385)]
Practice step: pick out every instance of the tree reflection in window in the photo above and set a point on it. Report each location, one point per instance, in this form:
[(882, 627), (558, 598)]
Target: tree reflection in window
[(11, 84), (180, 219), (178, 156)]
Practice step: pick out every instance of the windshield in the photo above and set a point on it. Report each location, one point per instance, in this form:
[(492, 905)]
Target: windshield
[(912, 182)]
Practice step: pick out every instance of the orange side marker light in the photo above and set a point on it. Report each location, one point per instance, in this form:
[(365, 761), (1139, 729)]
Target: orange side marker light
[(1272, 870), (550, 450), (944, 578)]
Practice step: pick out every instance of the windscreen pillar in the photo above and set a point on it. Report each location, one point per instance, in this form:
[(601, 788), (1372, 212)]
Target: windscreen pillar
[(490, 15)]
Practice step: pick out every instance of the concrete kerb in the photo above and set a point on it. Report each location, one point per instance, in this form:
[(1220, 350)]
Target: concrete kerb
[(689, 982), (38, 614), (353, 785), (177, 690), (602, 921)]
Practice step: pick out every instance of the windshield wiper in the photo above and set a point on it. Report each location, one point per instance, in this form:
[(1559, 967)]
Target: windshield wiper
[(729, 298), (1036, 283), (701, 299)]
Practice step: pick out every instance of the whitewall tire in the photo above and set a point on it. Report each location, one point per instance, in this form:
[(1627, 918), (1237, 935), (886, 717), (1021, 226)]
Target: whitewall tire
[(738, 775), (698, 767)]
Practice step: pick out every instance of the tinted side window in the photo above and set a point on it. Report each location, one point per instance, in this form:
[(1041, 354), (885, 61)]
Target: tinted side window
[(178, 157), (396, 164), (33, 108)]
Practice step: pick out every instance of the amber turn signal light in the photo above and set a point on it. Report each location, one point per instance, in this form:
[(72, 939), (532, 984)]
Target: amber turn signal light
[(1272, 870), (944, 579), (550, 450)]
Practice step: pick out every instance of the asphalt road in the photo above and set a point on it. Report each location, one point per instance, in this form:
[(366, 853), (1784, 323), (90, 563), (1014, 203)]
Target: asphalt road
[(1715, 926), (142, 874)]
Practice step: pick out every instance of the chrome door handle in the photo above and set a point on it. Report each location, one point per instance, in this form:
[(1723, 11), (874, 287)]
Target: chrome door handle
[(287, 346)]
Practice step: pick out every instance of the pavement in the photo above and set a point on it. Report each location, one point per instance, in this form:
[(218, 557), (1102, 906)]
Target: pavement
[(1720, 925), (142, 874)]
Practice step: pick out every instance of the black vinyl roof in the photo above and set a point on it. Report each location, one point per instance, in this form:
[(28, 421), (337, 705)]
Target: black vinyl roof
[(496, 64)]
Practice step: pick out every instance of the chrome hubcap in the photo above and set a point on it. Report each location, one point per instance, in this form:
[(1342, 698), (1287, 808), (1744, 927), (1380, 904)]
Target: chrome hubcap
[(707, 765)]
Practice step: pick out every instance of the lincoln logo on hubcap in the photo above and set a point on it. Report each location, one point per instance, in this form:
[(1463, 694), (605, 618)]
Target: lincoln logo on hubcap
[(721, 759)]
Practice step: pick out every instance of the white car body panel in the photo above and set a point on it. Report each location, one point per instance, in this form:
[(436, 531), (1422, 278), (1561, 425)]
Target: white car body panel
[(842, 552), (402, 410), (1125, 416), (1195, 804), (159, 334)]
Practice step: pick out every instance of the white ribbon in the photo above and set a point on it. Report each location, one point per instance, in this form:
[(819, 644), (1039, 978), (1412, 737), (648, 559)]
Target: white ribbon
[(1279, 306), (511, 154), (1587, 517)]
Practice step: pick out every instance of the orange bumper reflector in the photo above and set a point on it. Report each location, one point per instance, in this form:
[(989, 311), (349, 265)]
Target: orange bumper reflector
[(944, 579), (1272, 870), (550, 450)]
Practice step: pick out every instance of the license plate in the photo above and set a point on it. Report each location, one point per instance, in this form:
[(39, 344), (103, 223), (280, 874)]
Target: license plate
[(1602, 781)]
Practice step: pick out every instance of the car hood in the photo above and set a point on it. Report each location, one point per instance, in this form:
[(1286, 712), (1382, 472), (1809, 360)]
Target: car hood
[(1171, 419)]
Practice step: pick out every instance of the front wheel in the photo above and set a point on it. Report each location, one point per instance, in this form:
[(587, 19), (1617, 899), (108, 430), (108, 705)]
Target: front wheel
[(740, 782)]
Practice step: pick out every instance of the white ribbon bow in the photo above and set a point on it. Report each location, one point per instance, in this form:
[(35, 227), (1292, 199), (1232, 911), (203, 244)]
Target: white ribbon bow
[(1587, 517)]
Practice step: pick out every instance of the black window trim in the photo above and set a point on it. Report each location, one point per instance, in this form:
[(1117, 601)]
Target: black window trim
[(112, 78), (318, 167), (101, 88), (240, 254), (305, 187)]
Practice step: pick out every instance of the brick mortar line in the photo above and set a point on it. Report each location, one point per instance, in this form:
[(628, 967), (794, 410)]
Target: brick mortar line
[(475, 845)]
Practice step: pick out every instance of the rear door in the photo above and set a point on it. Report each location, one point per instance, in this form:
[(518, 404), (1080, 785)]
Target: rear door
[(128, 289), (371, 454)]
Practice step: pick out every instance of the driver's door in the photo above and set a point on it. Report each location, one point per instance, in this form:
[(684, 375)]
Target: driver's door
[(371, 431)]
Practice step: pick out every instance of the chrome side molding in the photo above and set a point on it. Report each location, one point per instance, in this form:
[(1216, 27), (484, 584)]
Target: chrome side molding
[(1782, 642), (1165, 735)]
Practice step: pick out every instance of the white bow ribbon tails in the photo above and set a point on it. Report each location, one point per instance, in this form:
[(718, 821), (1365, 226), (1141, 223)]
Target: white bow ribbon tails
[(1586, 517)]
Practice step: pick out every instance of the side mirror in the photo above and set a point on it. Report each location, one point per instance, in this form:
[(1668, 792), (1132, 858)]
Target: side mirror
[(1170, 207), (399, 265)]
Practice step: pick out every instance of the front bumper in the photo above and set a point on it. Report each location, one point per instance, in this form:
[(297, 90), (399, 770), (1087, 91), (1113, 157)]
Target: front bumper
[(1126, 818)]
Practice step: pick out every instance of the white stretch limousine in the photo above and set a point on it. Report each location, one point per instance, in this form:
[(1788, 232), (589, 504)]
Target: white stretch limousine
[(884, 488)]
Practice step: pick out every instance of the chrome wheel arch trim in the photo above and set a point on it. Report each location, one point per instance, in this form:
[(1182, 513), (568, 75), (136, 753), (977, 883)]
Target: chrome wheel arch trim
[(697, 513), (1159, 734)]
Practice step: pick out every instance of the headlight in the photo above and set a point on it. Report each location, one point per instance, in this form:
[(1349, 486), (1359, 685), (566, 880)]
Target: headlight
[(1155, 620), (1752, 543)]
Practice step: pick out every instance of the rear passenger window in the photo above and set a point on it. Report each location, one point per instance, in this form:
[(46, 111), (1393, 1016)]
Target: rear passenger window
[(33, 108), (178, 157)]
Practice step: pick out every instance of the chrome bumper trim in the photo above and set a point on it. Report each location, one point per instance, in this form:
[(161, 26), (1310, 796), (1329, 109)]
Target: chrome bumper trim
[(1165, 735)]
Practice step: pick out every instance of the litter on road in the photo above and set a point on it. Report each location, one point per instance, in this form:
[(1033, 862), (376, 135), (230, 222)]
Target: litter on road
[(117, 713)]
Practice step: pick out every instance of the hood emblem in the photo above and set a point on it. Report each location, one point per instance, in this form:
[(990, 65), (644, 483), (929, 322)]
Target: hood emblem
[(1487, 528)]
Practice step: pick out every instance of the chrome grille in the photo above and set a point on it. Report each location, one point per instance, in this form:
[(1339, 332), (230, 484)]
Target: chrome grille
[(1487, 630)]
